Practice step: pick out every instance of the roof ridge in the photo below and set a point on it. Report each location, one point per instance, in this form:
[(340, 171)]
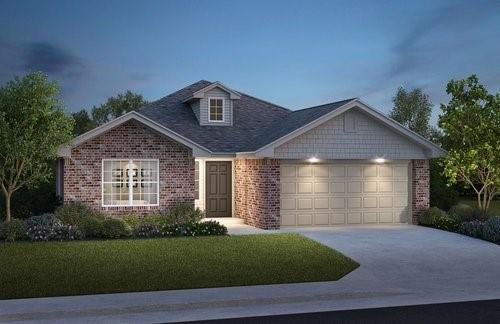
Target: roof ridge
[(326, 104)]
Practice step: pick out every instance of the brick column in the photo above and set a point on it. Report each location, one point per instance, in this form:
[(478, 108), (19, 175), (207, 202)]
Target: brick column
[(257, 192), (420, 188)]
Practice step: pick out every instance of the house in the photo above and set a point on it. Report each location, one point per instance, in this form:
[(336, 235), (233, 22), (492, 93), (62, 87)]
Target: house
[(234, 155)]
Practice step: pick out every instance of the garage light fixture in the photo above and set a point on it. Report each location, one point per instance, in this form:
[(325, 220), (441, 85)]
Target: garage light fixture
[(379, 160), (313, 159)]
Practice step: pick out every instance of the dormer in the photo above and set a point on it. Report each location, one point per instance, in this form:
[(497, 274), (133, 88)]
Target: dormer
[(213, 105)]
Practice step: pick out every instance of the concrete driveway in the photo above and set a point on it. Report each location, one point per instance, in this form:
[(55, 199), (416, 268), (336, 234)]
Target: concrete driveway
[(400, 265), (420, 262)]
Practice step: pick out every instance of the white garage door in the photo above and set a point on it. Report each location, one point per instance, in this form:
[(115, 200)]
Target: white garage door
[(347, 193)]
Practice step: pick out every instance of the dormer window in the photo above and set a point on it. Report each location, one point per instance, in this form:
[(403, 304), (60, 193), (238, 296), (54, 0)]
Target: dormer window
[(216, 109)]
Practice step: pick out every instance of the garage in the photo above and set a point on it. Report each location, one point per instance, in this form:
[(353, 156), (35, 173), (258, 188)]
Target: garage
[(343, 193)]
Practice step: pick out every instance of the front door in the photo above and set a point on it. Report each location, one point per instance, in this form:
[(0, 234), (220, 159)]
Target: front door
[(218, 189)]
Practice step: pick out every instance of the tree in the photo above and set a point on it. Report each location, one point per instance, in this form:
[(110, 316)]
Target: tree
[(116, 106), (32, 126), (83, 122), (471, 125), (413, 110)]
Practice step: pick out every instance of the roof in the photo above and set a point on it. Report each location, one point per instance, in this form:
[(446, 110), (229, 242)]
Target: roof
[(255, 122), (258, 126)]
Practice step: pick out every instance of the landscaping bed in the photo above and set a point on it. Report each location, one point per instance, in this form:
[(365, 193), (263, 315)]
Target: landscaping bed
[(464, 219), (45, 269)]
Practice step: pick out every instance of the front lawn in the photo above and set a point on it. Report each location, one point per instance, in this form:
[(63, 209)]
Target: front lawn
[(92, 267)]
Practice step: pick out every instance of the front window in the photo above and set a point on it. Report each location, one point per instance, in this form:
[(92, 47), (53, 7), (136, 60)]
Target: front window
[(216, 109), (130, 182)]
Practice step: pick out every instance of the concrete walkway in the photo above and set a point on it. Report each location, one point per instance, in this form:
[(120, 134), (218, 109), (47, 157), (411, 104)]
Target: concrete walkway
[(400, 265)]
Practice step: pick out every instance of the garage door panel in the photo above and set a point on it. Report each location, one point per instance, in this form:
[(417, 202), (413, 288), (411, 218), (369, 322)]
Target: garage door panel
[(321, 219), (321, 187), (354, 218), (288, 220), (305, 188), (337, 218), (349, 193), (321, 203), (369, 217)]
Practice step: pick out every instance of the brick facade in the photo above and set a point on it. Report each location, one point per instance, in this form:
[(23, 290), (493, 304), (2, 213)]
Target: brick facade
[(131, 140), (257, 192), (420, 188)]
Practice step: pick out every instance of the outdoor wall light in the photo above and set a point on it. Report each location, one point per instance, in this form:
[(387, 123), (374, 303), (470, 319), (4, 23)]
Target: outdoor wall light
[(379, 160), (313, 159)]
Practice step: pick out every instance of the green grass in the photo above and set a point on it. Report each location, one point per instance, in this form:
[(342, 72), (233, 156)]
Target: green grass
[(494, 205), (93, 267)]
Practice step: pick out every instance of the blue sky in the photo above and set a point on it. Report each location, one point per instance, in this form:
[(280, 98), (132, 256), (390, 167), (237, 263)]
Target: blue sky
[(294, 53)]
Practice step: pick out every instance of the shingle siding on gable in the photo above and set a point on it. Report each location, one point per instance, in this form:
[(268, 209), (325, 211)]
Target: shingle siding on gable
[(369, 140), (228, 108)]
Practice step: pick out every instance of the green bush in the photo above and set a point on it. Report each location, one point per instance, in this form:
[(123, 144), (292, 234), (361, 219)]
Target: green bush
[(465, 213), (153, 219), (183, 214), (115, 228), (15, 230), (92, 227), (148, 230), (75, 213), (132, 220), (491, 229), (438, 218), (210, 228), (48, 227)]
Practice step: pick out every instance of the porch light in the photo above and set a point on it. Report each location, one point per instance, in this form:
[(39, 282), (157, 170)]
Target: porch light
[(379, 160), (313, 159)]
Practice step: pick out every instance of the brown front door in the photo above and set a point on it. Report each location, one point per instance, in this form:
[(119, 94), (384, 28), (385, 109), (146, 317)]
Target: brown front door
[(218, 190)]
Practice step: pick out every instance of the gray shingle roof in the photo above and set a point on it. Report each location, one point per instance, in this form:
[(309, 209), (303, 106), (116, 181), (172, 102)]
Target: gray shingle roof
[(255, 122)]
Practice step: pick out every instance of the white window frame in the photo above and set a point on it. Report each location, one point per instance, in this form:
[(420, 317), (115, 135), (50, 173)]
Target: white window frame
[(130, 183), (223, 109)]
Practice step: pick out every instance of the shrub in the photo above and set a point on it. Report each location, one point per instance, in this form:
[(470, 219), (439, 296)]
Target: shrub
[(148, 230), (473, 228), (441, 195), (92, 227), (47, 227), (75, 213), (15, 230), (438, 218), (211, 228), (465, 213), (491, 229), (132, 220), (115, 228), (154, 219), (183, 214)]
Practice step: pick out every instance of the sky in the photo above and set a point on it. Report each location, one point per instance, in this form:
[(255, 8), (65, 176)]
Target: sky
[(294, 53)]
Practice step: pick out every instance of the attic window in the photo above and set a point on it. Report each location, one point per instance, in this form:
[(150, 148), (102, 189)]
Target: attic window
[(216, 109)]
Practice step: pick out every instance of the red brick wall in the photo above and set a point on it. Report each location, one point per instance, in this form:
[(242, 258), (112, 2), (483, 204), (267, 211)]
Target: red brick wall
[(257, 192), (420, 188), (131, 140)]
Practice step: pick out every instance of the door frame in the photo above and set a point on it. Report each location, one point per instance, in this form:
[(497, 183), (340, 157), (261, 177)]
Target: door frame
[(201, 201)]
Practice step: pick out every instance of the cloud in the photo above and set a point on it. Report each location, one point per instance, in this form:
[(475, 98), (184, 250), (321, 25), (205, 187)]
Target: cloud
[(439, 36), (46, 57), (50, 59)]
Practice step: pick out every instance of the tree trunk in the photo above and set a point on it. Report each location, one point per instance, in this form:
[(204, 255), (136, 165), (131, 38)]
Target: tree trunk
[(7, 207)]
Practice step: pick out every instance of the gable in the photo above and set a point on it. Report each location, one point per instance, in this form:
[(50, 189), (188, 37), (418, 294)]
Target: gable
[(351, 135)]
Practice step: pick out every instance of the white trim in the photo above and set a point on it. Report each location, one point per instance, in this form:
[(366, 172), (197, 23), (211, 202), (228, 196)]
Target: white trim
[(198, 150), (201, 93), (130, 183), (223, 110), (433, 150)]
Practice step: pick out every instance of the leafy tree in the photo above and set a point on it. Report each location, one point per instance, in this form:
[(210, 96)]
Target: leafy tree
[(32, 126), (412, 109), (116, 106), (471, 124), (83, 122)]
